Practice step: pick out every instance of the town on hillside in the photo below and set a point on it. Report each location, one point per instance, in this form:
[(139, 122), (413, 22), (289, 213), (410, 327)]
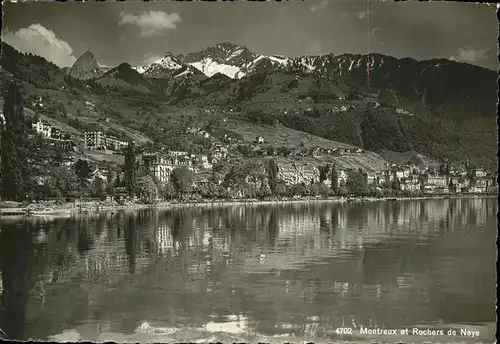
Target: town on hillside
[(225, 167)]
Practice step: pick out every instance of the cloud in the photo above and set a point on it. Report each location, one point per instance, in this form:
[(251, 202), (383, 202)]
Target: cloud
[(470, 55), (151, 22), (150, 58), (38, 40), (318, 5)]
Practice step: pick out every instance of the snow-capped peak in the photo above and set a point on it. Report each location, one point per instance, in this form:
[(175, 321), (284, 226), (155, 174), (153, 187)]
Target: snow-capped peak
[(209, 67), (280, 59), (168, 61), (141, 69), (235, 54)]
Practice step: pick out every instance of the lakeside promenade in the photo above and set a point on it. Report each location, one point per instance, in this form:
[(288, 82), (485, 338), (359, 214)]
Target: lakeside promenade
[(78, 206)]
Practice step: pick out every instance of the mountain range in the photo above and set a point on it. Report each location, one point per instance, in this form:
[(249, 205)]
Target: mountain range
[(441, 108), (432, 82)]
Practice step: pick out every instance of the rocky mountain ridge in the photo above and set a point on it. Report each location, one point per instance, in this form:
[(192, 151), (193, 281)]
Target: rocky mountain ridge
[(430, 81), (86, 67)]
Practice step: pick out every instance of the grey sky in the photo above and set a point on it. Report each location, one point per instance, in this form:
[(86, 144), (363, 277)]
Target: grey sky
[(137, 31)]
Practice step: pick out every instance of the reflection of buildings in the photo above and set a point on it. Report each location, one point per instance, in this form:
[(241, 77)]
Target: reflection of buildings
[(164, 241), (325, 261)]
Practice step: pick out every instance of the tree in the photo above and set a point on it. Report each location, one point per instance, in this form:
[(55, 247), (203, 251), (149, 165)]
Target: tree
[(313, 189), (272, 171), (396, 185), (66, 181), (323, 173), (270, 150), (450, 184), (283, 151), (82, 169), (324, 190), (168, 191), (146, 188), (356, 183), (110, 181), (264, 191), (15, 146), (299, 190), (245, 150), (208, 190), (97, 188), (182, 179), (281, 189), (334, 177), (130, 169)]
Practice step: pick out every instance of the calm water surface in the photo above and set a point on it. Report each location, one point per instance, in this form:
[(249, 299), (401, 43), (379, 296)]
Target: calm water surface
[(291, 270)]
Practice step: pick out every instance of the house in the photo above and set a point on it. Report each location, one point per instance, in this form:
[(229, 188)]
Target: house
[(89, 105), (410, 186), (477, 189), (162, 165), (194, 130), (381, 178), (413, 178), (338, 151), (371, 177), (203, 160), (479, 173), (259, 139), (65, 144), (442, 190), (293, 174), (42, 128), (177, 153), (315, 151), (98, 174), (399, 174), (389, 176), (341, 177), (98, 140), (437, 180)]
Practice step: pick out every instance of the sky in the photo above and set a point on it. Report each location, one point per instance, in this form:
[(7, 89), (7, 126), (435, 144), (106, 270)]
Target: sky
[(138, 32)]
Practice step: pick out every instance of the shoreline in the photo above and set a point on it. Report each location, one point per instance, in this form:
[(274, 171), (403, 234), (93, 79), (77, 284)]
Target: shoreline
[(76, 207)]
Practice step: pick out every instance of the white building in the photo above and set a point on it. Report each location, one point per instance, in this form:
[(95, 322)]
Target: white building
[(99, 140), (479, 173), (42, 128), (161, 166)]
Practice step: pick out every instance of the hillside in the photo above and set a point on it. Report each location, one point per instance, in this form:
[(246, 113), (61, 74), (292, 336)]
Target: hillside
[(441, 109)]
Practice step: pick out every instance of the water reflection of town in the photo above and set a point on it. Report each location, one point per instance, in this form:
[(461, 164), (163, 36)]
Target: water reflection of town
[(359, 264)]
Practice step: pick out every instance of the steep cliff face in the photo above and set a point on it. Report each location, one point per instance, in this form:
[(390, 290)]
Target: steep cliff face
[(86, 67)]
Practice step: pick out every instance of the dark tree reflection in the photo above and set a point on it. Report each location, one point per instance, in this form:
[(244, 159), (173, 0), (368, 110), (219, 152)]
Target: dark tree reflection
[(16, 248), (131, 243)]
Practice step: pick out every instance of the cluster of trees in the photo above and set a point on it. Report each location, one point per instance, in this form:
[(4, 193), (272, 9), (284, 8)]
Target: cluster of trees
[(31, 68), (16, 165)]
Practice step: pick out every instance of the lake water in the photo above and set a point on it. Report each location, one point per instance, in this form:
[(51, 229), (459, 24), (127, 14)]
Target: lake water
[(241, 273)]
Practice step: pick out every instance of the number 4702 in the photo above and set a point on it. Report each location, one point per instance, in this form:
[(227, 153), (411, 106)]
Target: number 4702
[(343, 330)]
